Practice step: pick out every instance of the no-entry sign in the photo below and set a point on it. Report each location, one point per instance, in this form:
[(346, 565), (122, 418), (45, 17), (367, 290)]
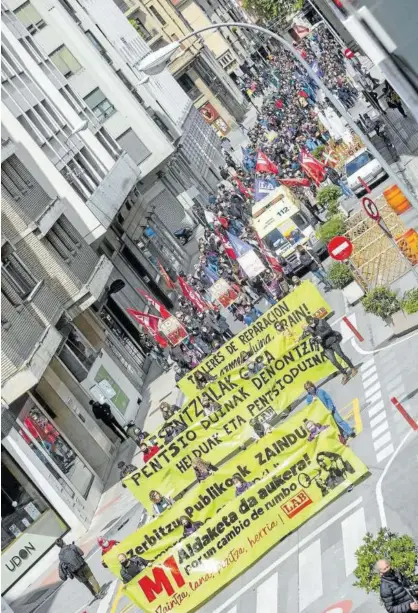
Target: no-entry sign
[(340, 248), (348, 53)]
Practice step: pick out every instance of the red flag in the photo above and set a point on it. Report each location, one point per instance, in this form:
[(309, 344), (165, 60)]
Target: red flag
[(312, 167), (264, 164), (295, 182), (150, 323), (157, 305), (271, 259), (191, 294), (226, 245), (245, 191), (169, 283)]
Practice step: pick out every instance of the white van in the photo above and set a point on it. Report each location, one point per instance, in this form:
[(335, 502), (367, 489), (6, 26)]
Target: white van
[(362, 164)]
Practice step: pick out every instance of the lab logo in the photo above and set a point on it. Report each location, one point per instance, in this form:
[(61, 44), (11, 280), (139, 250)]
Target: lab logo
[(20, 558), (299, 501)]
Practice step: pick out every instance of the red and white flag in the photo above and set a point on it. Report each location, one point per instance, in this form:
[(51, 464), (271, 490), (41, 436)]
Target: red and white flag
[(195, 298), (270, 258), (264, 164), (169, 283), (229, 250), (245, 191), (312, 167), (303, 182), (150, 323), (165, 314)]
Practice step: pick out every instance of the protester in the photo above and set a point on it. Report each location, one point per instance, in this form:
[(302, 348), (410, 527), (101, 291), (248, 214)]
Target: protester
[(210, 406), (125, 470), (307, 260), (241, 485), (106, 545), (73, 565), (131, 567), (260, 429), (168, 409), (202, 469), (102, 411), (149, 451), (330, 341), (189, 526), (396, 591), (315, 392), (159, 503)]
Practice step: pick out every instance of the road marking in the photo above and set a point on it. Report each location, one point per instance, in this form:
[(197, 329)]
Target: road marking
[(287, 555), (367, 365), (372, 390), (310, 575), (107, 599), (383, 440), (376, 408), (382, 455), (267, 595), (376, 420), (380, 429), (375, 397), (379, 492), (373, 377), (393, 384), (353, 530), (355, 413), (233, 610), (375, 351), (118, 596)]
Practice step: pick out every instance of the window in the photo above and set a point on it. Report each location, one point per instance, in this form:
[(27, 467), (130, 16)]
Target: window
[(29, 17), (65, 61), (16, 273), (133, 146), (99, 104), (140, 28), (157, 15), (64, 244), (98, 46)]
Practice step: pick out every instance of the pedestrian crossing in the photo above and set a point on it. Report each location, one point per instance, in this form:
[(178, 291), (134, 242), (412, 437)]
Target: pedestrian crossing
[(379, 424), (302, 579)]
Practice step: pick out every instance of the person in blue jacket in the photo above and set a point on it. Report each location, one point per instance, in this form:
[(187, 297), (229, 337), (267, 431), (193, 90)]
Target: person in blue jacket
[(317, 392)]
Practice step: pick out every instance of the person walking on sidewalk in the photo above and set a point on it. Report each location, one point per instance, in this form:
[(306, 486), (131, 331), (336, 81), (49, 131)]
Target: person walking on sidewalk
[(102, 411), (72, 564), (396, 591), (330, 341), (317, 392), (307, 260)]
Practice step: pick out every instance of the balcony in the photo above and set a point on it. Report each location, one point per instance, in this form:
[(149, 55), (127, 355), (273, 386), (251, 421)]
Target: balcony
[(8, 147), (26, 351), (49, 216), (77, 354), (92, 289)]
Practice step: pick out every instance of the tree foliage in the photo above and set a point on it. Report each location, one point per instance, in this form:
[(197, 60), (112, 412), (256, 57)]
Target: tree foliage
[(399, 549), (333, 227), (271, 9)]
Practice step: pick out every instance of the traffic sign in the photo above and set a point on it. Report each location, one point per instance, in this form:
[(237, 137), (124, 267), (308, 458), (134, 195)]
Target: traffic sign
[(340, 248), (370, 208), (348, 53)]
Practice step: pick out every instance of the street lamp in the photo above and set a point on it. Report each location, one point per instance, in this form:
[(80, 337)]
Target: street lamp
[(155, 62)]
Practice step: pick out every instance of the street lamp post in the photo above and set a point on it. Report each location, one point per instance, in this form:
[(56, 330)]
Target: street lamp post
[(155, 62)]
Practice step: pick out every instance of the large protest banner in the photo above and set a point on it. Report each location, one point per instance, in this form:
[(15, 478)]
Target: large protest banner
[(213, 438), (306, 479), (202, 501), (291, 312)]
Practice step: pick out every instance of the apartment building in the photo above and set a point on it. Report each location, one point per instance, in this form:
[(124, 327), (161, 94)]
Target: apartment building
[(205, 65), (99, 165)]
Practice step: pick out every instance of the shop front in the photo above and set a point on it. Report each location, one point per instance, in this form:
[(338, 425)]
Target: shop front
[(29, 524)]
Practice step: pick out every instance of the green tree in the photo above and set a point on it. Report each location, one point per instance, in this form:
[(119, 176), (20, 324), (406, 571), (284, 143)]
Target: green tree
[(399, 550), (271, 9), (334, 227)]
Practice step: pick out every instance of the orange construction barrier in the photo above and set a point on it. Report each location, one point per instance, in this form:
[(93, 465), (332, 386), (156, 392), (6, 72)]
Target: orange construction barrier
[(408, 244), (396, 200)]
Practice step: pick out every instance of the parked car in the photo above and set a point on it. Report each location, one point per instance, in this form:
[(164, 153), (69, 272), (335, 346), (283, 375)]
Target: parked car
[(362, 164)]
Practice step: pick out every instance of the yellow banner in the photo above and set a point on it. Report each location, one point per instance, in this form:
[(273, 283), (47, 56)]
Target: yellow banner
[(264, 394), (201, 502), (307, 476), (291, 312)]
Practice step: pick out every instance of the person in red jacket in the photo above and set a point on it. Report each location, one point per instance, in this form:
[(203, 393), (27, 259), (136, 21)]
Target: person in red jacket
[(106, 545), (149, 451)]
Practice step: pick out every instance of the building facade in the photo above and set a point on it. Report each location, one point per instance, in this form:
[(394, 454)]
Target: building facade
[(99, 166), (205, 64)]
